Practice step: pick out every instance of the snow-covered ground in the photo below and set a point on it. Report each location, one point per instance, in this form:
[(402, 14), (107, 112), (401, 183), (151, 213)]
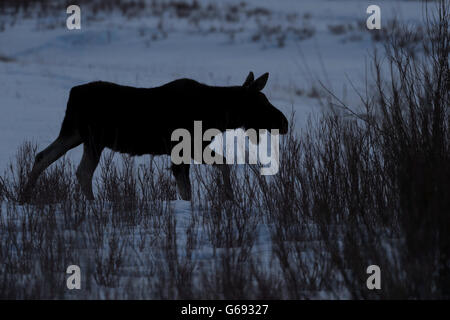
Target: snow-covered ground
[(46, 62)]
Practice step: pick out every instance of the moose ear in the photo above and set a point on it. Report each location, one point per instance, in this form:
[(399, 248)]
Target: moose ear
[(260, 83), (249, 80)]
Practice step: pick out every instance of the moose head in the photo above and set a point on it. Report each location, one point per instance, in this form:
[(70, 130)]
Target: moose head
[(261, 114)]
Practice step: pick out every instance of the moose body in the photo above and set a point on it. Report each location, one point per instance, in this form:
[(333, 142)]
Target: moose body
[(140, 121)]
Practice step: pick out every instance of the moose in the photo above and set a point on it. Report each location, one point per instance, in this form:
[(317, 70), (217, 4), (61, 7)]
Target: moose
[(139, 121)]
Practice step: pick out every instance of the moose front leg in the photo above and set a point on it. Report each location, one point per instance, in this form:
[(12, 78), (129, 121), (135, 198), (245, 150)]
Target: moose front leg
[(181, 174), (221, 164)]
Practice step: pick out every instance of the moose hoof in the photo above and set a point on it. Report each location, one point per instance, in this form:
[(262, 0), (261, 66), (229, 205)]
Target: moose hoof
[(24, 196), (229, 195), (89, 197), (186, 197), (23, 199)]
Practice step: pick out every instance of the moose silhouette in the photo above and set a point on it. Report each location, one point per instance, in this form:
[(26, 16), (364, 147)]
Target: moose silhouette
[(139, 121)]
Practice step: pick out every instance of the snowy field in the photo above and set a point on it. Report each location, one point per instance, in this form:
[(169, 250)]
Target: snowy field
[(297, 41)]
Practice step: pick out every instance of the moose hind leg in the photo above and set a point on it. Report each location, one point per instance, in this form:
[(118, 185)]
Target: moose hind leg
[(181, 174), (46, 157), (85, 171), (226, 180)]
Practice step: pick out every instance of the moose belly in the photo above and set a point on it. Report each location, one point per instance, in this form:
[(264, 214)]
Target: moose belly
[(134, 140)]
